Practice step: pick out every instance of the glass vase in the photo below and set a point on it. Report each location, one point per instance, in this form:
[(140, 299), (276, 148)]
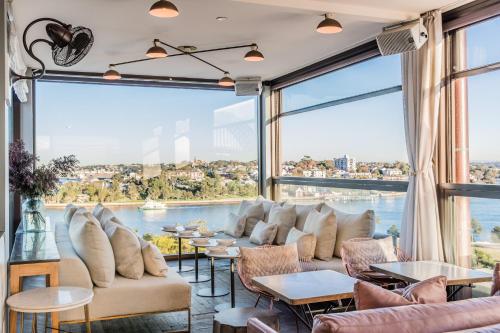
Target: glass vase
[(33, 215)]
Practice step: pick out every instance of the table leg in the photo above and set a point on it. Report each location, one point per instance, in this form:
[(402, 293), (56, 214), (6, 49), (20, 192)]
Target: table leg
[(212, 274), (52, 280), (232, 283), (15, 287), (87, 318), (180, 254), (212, 291), (196, 262), (33, 323)]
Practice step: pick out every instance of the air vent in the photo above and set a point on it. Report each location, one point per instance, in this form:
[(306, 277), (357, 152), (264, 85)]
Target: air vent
[(404, 37), (248, 86)]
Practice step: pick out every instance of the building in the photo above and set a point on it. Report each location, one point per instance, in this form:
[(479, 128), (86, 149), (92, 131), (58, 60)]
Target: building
[(391, 172), (345, 163), (316, 173)]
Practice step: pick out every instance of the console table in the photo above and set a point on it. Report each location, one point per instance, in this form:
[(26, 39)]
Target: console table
[(33, 253)]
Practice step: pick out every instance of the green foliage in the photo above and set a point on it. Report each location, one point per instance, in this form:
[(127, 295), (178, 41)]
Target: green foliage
[(481, 259), (393, 231), (477, 228)]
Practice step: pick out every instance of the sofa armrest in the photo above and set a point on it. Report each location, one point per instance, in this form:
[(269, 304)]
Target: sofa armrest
[(254, 325)]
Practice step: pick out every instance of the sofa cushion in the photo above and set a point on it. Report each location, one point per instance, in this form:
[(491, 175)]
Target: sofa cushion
[(267, 204), (93, 246), (284, 218), (419, 318), (352, 226), (97, 211), (106, 216), (324, 227), (127, 296), (69, 211), (263, 233), (306, 243), (126, 249), (302, 211), (253, 212), (154, 262), (235, 225)]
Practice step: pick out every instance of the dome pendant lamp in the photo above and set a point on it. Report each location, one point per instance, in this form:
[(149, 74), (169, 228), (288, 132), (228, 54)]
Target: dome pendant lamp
[(329, 25), (163, 9), (111, 74), (156, 51), (254, 54), (226, 81)]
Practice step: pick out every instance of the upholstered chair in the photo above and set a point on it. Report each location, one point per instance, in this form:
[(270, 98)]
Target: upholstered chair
[(264, 261), (495, 286), (254, 325), (359, 253)]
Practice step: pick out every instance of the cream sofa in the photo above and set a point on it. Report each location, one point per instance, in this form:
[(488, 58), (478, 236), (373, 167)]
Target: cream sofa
[(333, 263), (125, 297)]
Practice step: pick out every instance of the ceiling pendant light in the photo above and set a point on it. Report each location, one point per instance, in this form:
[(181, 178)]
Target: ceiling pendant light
[(163, 8), (156, 51), (329, 25), (254, 54), (226, 81), (111, 74)]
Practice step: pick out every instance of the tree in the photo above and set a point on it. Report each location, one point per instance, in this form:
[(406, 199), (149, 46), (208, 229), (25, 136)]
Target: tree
[(393, 231), (477, 228), (133, 193)]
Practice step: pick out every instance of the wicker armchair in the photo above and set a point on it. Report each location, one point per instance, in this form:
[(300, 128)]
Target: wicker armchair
[(264, 261), (359, 253)]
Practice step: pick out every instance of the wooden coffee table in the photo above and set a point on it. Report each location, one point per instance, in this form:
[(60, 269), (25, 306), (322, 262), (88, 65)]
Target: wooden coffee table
[(299, 290)]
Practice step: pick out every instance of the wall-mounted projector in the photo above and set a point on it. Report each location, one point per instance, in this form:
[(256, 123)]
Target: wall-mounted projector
[(250, 86), (402, 37)]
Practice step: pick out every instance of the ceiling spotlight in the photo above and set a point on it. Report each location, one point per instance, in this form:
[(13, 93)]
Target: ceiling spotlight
[(226, 81), (111, 74), (329, 25), (254, 54), (156, 51), (163, 8)]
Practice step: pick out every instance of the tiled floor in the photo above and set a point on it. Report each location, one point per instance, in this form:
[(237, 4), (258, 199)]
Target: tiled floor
[(202, 309)]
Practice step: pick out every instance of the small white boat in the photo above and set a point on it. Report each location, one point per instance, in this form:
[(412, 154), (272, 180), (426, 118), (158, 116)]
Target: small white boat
[(153, 205)]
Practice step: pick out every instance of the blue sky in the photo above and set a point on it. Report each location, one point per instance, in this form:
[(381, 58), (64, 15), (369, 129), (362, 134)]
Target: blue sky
[(119, 124)]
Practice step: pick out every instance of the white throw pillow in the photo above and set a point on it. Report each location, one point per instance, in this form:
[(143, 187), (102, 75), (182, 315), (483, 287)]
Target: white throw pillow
[(302, 211), (351, 226), (284, 218), (98, 211), (324, 227), (154, 262), (306, 243), (267, 204), (263, 233), (235, 225), (253, 212), (69, 211), (127, 251), (93, 247)]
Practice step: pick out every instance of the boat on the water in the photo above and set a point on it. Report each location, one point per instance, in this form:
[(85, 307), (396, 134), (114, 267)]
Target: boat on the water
[(153, 205)]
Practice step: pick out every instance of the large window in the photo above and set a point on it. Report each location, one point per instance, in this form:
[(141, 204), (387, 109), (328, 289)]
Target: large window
[(158, 155)]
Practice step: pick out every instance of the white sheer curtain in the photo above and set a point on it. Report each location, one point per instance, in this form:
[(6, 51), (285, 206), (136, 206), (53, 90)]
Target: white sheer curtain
[(16, 61), (421, 71)]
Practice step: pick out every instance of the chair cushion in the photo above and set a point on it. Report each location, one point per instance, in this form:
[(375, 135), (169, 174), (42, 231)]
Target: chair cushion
[(484, 329), (235, 225), (306, 243), (126, 249), (352, 226), (263, 233), (360, 253), (495, 286), (253, 212), (69, 211), (370, 296), (324, 227), (284, 218), (154, 262), (93, 246), (334, 264)]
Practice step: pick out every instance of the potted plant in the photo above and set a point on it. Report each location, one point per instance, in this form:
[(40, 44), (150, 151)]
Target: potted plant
[(33, 181)]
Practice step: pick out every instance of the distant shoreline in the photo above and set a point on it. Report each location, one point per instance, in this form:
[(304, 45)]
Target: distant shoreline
[(233, 201)]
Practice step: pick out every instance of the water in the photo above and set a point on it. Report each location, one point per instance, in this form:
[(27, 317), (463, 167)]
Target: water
[(388, 211)]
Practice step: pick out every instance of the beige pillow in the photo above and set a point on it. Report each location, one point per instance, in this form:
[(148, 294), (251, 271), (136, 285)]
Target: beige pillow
[(69, 211), (154, 262), (126, 249), (105, 215), (235, 225), (306, 243), (284, 218), (352, 226), (374, 251), (263, 233), (253, 212), (302, 211), (267, 204), (98, 211), (92, 245), (324, 227)]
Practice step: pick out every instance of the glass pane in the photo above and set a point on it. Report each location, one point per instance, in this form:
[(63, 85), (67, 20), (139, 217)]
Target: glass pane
[(364, 77), (484, 134), (157, 155), (362, 140), (482, 43), (388, 206)]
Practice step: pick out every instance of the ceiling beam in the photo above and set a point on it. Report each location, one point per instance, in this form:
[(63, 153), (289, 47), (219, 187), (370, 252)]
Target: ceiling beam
[(368, 13)]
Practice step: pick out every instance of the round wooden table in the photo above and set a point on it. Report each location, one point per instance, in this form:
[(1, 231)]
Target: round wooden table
[(235, 320), (51, 299)]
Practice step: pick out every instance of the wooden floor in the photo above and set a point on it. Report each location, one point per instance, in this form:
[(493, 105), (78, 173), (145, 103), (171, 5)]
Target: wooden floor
[(202, 309)]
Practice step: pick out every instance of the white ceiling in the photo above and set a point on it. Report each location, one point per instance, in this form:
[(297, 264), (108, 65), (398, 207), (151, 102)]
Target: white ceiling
[(283, 29)]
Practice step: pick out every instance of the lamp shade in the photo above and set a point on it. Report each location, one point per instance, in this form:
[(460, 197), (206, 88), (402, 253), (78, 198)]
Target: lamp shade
[(111, 74), (329, 26), (163, 8), (254, 55), (226, 81), (156, 52)]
